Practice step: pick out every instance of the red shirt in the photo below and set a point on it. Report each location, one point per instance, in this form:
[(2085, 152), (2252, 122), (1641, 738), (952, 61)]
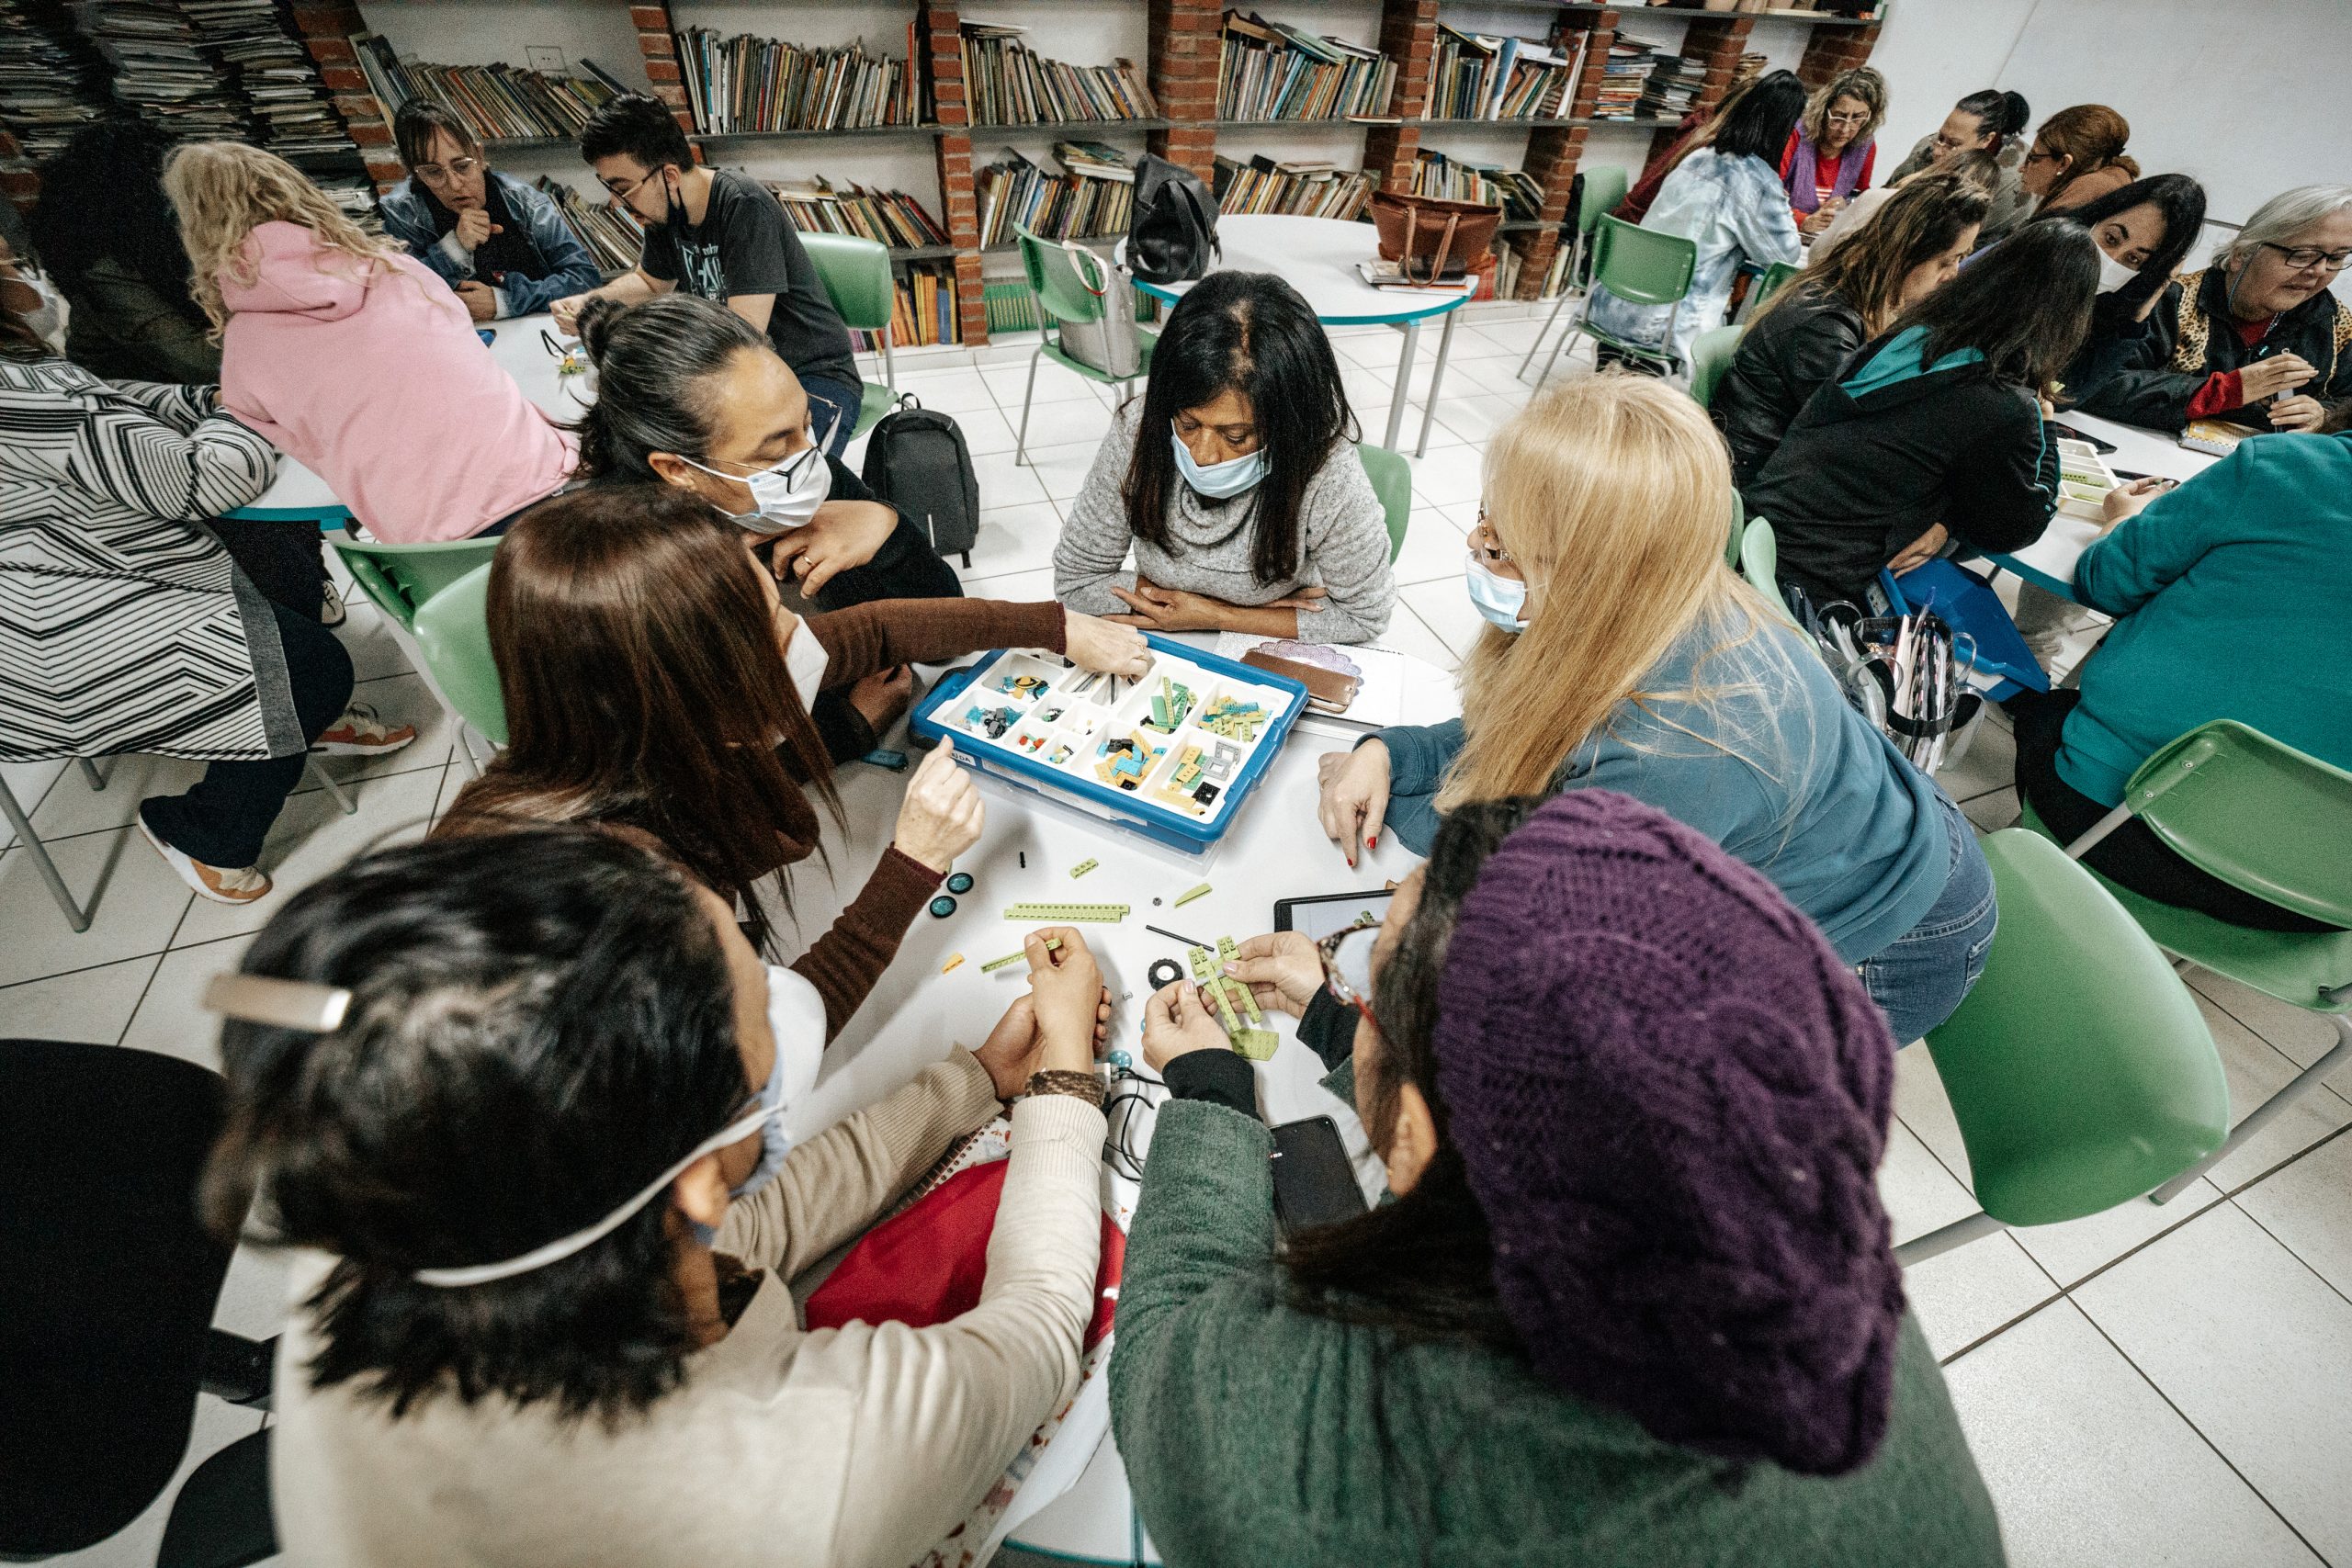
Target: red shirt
[(2222, 390)]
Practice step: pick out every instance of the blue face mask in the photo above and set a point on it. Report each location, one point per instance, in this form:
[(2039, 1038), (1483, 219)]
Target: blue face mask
[(1218, 482), (1500, 599)]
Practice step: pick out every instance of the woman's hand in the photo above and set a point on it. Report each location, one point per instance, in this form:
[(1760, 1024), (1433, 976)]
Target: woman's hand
[(1066, 985), (480, 299), (1176, 1023), (1920, 551), (1355, 797), (941, 817), (1281, 970), (474, 227), (1174, 610), (2128, 500), (841, 534), (2298, 412), (1093, 643), (566, 312), (2278, 373), (1822, 216), (1013, 1047)]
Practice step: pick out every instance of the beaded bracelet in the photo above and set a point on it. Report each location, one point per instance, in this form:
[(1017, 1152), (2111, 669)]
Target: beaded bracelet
[(1087, 1086)]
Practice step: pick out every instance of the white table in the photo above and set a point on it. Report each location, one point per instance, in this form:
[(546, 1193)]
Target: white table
[(2049, 561), (1318, 256), (297, 495)]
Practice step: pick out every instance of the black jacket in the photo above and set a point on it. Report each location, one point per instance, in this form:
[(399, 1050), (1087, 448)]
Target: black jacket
[(1783, 359), (1877, 458), (2188, 337)]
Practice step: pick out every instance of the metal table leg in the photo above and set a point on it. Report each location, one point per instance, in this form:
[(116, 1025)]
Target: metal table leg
[(1437, 379), (1412, 330)]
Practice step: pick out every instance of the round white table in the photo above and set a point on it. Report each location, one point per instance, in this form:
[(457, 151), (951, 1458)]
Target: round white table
[(2049, 561), (297, 495), (1319, 257)]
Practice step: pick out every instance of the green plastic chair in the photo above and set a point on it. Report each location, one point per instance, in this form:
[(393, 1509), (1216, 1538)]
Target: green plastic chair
[(453, 633), (400, 579), (2079, 1070), (1759, 562), (1640, 266), (1391, 481), (1603, 189), (1063, 295), (1778, 274), (1711, 356), (857, 275), (1738, 539), (2273, 821)]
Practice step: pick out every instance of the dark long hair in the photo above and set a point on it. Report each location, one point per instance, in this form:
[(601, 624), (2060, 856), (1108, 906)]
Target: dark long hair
[(2024, 303), (540, 1023), (103, 196), (2000, 114), (645, 686), (1918, 223), (2180, 200), (1760, 126), (655, 364), (1248, 333), (1422, 1267)]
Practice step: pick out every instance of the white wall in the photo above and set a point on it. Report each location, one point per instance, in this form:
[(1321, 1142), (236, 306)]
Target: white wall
[(2249, 97)]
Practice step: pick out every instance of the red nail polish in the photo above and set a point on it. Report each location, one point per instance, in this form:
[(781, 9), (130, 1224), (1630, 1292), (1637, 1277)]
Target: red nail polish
[(1371, 843)]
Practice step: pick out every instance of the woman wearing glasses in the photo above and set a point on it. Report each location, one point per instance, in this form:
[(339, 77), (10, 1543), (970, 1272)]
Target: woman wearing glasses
[(2077, 157), (1829, 154), (501, 244), (1632, 1300), (2257, 338)]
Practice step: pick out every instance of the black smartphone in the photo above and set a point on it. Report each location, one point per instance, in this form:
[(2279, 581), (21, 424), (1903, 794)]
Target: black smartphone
[(2071, 434), (1315, 1184)]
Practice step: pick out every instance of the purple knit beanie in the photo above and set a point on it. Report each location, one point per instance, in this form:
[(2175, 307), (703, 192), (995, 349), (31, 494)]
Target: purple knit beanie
[(1671, 1099)]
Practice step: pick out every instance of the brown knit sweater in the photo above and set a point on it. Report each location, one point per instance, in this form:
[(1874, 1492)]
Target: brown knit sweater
[(849, 958)]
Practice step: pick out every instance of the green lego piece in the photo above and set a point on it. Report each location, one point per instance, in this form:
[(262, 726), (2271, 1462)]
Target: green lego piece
[(1257, 1044), (1067, 913), (1184, 898), (1082, 867), (1228, 953)]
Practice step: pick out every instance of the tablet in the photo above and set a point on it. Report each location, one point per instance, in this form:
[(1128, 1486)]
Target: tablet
[(1317, 918)]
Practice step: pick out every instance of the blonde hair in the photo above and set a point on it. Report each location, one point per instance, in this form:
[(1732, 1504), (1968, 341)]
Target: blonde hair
[(224, 190), (1862, 81), (1613, 495)]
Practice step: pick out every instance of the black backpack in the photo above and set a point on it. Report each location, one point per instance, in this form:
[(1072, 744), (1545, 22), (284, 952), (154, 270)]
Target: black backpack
[(1173, 233), (916, 461)]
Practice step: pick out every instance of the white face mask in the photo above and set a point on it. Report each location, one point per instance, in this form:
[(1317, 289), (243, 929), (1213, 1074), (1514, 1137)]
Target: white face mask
[(1219, 481), (2112, 273), (1501, 600), (784, 497), (805, 660), (47, 319)]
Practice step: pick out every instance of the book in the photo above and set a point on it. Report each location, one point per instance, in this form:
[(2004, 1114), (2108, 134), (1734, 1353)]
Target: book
[(892, 218), (51, 81), (749, 84), (1094, 197), (1275, 71), (609, 230), (1490, 184), (1306, 191), (497, 102), (1007, 82)]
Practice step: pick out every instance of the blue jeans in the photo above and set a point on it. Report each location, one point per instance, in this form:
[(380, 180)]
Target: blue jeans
[(1920, 978)]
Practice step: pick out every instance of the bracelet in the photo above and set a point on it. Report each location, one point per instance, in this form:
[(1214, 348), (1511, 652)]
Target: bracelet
[(1087, 1086)]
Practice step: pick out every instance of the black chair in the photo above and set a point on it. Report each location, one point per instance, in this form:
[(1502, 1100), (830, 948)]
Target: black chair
[(107, 1286)]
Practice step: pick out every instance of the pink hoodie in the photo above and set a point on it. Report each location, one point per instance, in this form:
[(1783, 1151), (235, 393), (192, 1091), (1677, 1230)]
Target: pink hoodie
[(379, 386)]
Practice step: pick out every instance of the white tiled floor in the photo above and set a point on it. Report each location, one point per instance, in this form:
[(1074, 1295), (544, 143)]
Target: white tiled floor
[(2149, 1386)]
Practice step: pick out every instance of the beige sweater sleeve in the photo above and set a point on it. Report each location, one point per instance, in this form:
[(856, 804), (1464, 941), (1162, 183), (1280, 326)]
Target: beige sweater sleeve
[(832, 1186), (941, 1410)]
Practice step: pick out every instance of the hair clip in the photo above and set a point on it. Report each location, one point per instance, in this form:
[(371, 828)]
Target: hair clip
[(281, 1004)]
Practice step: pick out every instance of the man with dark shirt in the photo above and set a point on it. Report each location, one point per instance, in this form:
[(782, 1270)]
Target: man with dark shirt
[(718, 235)]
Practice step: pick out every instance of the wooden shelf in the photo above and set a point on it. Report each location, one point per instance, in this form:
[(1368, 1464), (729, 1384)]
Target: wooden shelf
[(1442, 122), (1070, 127), (923, 129), (527, 143)]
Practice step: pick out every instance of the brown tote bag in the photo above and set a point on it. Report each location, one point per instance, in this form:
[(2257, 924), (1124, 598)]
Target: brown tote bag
[(1430, 236)]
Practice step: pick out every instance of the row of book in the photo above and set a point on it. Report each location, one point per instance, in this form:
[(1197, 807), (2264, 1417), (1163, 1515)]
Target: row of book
[(1007, 82), (51, 81), (495, 101), (1304, 188), (610, 230), (749, 84), (158, 69), (927, 307), (891, 216), (1518, 193), (1275, 70), (1477, 76), (1626, 75), (1673, 88), (1094, 196)]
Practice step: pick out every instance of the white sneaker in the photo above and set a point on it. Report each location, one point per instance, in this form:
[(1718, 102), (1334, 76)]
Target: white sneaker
[(241, 885), (331, 611), (360, 733)]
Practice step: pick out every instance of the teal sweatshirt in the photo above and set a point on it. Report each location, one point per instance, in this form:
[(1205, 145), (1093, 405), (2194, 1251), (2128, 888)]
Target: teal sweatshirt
[(1254, 1433), (2232, 599), (1772, 764)]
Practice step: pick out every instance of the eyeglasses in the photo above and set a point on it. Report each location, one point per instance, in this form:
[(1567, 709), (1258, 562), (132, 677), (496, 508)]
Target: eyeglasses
[(2302, 258), (2039, 156), (1346, 957), (1850, 120), (623, 192), (442, 174), (1494, 552)]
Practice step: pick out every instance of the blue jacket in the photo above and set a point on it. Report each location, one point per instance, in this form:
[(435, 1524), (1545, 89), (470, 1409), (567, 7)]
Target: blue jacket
[(1752, 744), (2229, 596), (572, 269)]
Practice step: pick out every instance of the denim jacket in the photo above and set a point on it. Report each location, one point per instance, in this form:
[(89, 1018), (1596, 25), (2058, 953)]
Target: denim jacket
[(573, 269)]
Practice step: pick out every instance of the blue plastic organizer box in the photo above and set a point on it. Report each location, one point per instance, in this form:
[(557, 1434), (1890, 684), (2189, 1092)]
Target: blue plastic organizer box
[(1141, 756), (1968, 604)]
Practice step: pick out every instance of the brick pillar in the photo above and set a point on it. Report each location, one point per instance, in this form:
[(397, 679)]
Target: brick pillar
[(1831, 50), (1552, 153), (1409, 36), (1183, 50), (938, 35), (325, 28), (660, 50)]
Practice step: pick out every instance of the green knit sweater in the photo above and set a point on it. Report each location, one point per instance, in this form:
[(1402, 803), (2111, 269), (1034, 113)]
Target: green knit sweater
[(1254, 1433)]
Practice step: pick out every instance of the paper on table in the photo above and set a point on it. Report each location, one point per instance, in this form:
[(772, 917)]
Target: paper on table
[(1397, 687)]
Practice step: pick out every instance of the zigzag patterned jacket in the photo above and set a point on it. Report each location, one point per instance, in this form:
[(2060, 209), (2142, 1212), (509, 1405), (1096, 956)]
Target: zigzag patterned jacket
[(124, 626)]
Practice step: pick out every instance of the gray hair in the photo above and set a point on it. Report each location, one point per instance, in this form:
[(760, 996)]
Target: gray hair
[(2284, 216), (652, 362)]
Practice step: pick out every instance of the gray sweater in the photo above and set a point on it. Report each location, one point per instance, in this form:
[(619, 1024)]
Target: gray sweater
[(1347, 545)]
